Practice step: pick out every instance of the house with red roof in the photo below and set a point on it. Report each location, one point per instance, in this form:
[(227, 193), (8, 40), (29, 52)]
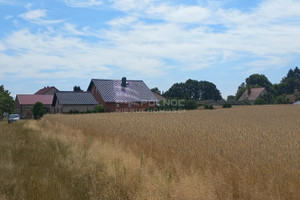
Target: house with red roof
[(24, 103), (47, 91), (122, 95), (252, 94)]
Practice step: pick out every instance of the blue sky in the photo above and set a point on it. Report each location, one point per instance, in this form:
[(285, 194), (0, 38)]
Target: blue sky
[(63, 43)]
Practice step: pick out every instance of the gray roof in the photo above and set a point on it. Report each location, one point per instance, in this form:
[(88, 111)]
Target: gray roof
[(297, 103), (74, 98), (112, 91)]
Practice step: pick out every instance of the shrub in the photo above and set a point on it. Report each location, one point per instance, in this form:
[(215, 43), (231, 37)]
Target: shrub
[(227, 105), (191, 104), (100, 109), (260, 101), (209, 107), (38, 110), (246, 102), (280, 100)]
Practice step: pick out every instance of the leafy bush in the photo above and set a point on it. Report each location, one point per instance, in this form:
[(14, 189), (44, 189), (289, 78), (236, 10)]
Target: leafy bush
[(38, 110), (209, 107), (73, 112), (260, 101), (100, 109), (280, 100), (246, 102), (191, 104), (227, 105)]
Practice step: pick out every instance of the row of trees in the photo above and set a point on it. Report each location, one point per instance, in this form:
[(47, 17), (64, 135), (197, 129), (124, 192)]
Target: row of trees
[(205, 90)]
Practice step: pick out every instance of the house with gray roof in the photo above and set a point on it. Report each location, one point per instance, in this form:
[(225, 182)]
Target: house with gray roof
[(122, 95), (64, 102)]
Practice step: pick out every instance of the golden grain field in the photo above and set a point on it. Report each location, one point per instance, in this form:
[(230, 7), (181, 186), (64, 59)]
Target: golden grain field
[(250, 152)]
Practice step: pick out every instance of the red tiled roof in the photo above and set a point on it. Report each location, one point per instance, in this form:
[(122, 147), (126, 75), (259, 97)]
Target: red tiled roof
[(252, 94), (44, 90), (31, 99)]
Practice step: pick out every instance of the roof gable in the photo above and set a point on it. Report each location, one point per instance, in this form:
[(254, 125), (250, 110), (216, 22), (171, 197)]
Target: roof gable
[(252, 94), (74, 98), (31, 99), (159, 96), (46, 89), (112, 91)]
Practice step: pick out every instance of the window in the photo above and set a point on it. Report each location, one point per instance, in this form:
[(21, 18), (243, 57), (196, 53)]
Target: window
[(118, 105)]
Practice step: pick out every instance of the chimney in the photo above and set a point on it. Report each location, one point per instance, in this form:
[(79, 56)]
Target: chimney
[(249, 91), (123, 84)]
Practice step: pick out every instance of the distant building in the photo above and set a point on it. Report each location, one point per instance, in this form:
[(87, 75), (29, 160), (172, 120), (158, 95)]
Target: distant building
[(122, 95), (64, 102), (47, 91), (252, 94), (24, 103), (290, 98), (159, 96), (297, 103)]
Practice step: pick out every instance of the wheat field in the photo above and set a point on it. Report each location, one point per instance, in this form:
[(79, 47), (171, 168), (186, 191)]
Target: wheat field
[(248, 152)]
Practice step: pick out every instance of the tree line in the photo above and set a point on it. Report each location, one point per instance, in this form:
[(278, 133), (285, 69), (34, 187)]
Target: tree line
[(205, 90)]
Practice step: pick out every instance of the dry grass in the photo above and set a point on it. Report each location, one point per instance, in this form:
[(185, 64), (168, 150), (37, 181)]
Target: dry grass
[(239, 153)]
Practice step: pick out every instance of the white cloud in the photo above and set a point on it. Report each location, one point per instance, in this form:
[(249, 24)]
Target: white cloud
[(179, 14), (83, 3), (132, 5), (7, 2), (38, 17), (34, 14), (123, 21), (8, 16)]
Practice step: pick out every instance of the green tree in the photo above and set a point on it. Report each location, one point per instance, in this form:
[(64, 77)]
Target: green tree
[(156, 90), (280, 100), (230, 98), (7, 103), (241, 89), (289, 83), (177, 91), (192, 89), (208, 91), (258, 80), (38, 110), (77, 89)]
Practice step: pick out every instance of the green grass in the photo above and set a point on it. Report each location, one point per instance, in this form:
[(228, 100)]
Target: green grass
[(35, 167)]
